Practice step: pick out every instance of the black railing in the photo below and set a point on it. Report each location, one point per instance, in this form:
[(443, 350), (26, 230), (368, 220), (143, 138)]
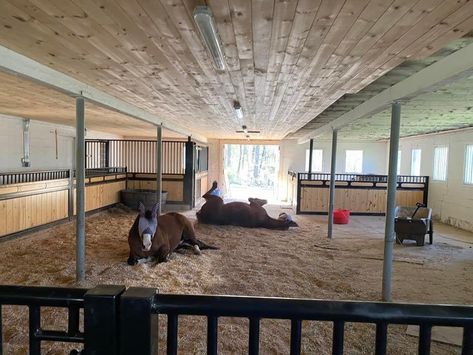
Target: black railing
[(32, 176), (296, 310), (139, 156), (118, 321), (99, 321), (105, 171), (37, 297), (401, 179)]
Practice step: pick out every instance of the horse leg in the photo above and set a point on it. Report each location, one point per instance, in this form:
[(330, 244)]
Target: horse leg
[(132, 261), (163, 254)]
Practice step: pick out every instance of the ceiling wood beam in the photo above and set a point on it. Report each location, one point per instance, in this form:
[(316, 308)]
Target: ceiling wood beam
[(17, 64), (447, 70)]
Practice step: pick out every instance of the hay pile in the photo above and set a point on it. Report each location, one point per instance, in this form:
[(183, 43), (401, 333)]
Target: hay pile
[(300, 262)]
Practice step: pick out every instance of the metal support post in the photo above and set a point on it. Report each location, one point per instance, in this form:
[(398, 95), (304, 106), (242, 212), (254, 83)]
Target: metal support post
[(311, 151), (333, 166), (391, 200), (138, 324), (101, 319), (80, 190), (159, 165)]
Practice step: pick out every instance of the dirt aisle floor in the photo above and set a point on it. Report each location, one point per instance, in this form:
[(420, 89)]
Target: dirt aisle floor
[(300, 262)]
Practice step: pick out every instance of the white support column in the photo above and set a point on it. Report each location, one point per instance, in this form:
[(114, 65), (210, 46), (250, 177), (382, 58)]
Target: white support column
[(333, 166), (80, 189), (159, 164), (389, 237)]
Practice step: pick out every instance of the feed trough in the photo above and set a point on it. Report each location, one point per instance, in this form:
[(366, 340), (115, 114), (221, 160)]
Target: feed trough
[(131, 197)]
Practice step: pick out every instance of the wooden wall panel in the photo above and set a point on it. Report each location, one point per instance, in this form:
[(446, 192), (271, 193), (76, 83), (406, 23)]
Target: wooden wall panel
[(33, 186), (101, 195), (25, 212), (355, 200)]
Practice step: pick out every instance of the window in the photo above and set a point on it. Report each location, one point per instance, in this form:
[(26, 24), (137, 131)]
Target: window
[(468, 175), (440, 163), (398, 162), (317, 157), (354, 161), (415, 161), (201, 159)]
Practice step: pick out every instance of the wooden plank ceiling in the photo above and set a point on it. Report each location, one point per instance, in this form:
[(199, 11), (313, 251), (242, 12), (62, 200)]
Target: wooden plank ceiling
[(287, 61), (450, 107), (452, 98), (22, 98)]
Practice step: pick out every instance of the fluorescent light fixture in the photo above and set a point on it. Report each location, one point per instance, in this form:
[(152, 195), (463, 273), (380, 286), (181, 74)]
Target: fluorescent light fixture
[(238, 110), (205, 23)]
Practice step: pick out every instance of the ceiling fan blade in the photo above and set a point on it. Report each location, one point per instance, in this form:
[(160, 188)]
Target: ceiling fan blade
[(254, 131)]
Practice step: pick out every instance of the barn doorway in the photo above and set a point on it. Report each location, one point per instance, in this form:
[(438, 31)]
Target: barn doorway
[(251, 171)]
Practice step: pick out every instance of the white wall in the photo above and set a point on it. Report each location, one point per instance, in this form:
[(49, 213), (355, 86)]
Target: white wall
[(293, 157), (42, 145), (451, 201), (374, 155)]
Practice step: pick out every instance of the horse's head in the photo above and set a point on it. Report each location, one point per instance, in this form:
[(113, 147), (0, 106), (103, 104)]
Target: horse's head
[(283, 216), (147, 225)]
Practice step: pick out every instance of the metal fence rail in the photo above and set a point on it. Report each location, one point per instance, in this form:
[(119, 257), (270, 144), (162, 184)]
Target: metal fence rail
[(119, 321), (408, 179), (296, 310), (19, 177), (139, 156), (37, 297), (99, 321), (54, 174)]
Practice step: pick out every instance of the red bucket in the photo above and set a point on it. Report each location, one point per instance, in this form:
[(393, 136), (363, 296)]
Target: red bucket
[(341, 216)]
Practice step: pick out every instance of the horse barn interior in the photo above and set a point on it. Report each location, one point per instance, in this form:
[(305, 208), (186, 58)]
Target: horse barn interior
[(330, 106)]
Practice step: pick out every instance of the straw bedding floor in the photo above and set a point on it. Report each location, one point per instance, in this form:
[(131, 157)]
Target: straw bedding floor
[(300, 262)]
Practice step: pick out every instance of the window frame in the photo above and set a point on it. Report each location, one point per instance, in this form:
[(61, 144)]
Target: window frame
[(412, 161), (437, 178), (467, 146), (307, 156), (346, 160)]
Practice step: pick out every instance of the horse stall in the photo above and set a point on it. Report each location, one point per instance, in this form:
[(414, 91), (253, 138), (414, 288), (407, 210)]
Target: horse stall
[(184, 168), (99, 97), (360, 194)]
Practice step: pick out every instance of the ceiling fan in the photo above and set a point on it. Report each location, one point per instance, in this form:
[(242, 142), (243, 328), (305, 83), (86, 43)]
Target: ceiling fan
[(245, 130)]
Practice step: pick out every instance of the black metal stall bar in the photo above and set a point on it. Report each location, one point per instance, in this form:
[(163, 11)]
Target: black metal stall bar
[(296, 310), (119, 321)]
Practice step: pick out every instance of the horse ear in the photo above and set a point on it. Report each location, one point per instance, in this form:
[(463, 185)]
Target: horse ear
[(155, 209), (141, 209)]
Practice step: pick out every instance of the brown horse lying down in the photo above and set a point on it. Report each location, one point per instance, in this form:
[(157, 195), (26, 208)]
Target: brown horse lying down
[(251, 215), (158, 237)]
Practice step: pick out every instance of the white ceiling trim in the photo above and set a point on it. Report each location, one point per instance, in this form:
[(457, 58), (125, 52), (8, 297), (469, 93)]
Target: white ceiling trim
[(449, 69), (17, 64)]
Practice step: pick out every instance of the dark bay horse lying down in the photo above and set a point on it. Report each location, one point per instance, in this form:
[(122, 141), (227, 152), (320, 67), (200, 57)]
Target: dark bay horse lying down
[(251, 215), (158, 237)]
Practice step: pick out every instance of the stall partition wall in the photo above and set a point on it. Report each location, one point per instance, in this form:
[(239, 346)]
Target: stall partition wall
[(26, 203), (184, 165), (361, 194)]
